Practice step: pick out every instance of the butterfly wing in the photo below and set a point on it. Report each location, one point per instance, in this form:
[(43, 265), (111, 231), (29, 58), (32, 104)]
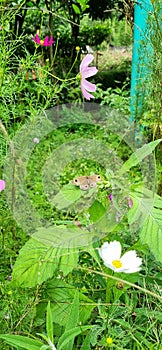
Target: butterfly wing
[(86, 182), (82, 182), (93, 179)]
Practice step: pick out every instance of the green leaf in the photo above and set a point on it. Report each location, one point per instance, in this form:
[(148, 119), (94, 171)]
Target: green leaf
[(76, 9), (139, 155), (151, 232), (29, 4), (49, 323), (83, 4), (96, 211), (21, 341), (35, 264), (63, 236), (63, 296), (69, 260), (86, 343), (71, 334), (147, 214), (73, 318), (68, 195)]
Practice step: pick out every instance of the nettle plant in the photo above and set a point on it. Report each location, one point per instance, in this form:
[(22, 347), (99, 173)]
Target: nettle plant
[(119, 202)]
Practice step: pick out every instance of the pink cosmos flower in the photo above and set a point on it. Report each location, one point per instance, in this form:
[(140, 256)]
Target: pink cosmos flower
[(48, 41), (87, 72), (2, 185)]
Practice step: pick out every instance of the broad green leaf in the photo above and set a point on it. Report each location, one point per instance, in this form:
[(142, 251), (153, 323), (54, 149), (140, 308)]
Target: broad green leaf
[(21, 341), (49, 323), (96, 211), (71, 334), (151, 232), (35, 264), (146, 213), (63, 296), (76, 9), (139, 155), (69, 236), (69, 260), (68, 195)]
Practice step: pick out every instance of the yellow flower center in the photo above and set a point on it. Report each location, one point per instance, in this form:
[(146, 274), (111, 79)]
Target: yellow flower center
[(117, 264), (109, 340), (77, 48), (41, 42)]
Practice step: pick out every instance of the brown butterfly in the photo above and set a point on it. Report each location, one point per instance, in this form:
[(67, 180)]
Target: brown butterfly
[(86, 182)]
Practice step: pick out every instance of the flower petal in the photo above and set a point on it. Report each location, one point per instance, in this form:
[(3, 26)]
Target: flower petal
[(88, 72), (88, 86), (2, 185), (46, 41), (86, 61), (109, 252), (36, 39), (86, 94), (131, 263)]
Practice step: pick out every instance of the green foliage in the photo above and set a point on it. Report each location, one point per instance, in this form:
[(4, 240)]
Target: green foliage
[(94, 33), (149, 114), (37, 262), (58, 283), (65, 342)]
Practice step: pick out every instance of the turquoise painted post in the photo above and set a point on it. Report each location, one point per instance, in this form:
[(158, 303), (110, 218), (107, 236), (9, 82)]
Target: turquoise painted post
[(142, 56)]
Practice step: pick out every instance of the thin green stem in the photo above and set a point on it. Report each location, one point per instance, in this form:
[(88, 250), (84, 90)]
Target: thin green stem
[(146, 291)]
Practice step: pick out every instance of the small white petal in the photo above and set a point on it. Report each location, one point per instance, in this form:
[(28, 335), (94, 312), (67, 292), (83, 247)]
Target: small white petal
[(131, 263), (110, 251)]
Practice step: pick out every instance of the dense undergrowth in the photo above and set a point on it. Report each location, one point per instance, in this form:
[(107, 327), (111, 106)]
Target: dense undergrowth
[(62, 293)]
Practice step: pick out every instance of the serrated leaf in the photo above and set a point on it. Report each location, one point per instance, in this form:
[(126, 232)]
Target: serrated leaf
[(151, 232), (139, 155), (63, 296), (21, 341), (63, 236), (147, 214), (35, 264), (69, 260)]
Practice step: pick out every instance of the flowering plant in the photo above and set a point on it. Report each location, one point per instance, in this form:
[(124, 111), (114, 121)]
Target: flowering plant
[(2, 185), (86, 72), (111, 256), (48, 41)]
